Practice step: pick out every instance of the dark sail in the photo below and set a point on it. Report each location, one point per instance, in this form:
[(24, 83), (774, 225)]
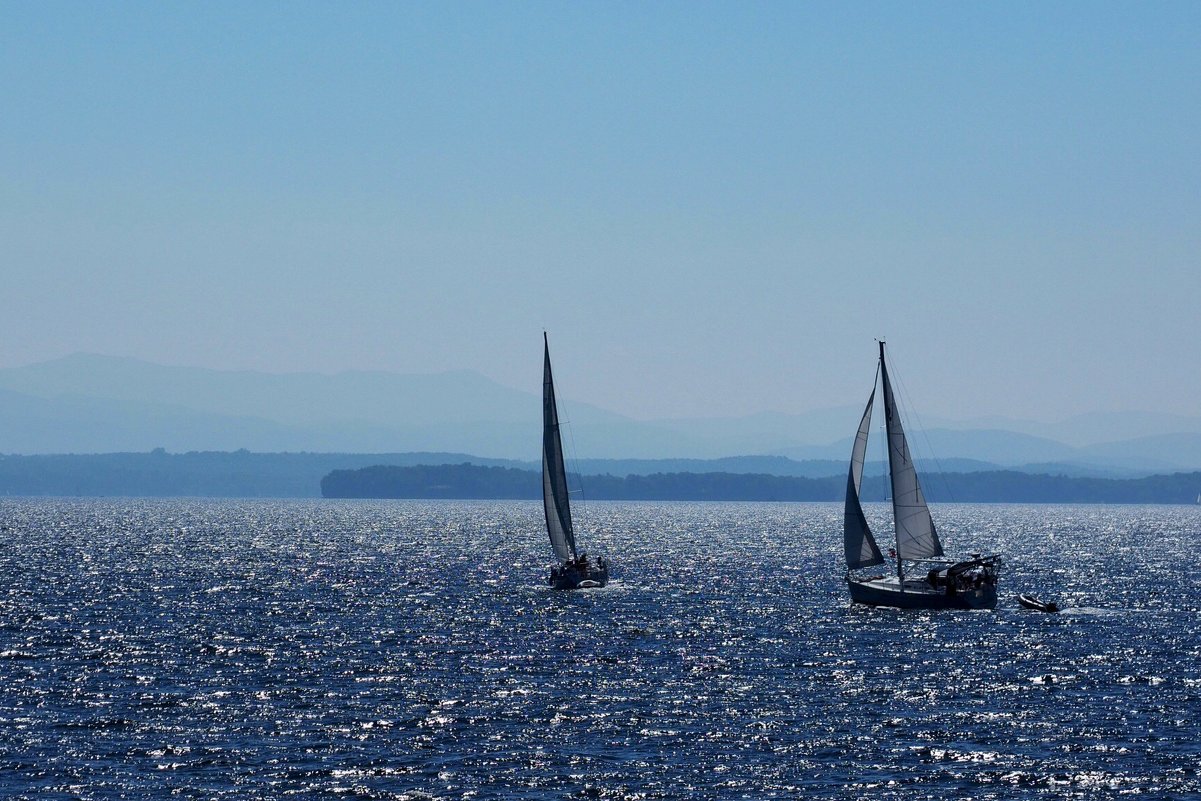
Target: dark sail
[(554, 474), (916, 537), (860, 545)]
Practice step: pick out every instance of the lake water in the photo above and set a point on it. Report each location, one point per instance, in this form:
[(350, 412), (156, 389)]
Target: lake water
[(408, 650)]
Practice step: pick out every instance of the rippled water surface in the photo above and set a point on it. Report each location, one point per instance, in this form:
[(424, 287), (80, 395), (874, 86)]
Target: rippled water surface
[(279, 649)]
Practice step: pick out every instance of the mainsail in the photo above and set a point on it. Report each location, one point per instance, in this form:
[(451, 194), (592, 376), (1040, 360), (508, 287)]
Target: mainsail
[(554, 473), (916, 537), (861, 548)]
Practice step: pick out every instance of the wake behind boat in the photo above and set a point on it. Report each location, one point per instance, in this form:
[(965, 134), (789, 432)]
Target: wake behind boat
[(575, 570), (967, 584)]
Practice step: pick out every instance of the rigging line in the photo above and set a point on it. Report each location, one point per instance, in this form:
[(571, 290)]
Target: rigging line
[(579, 477), (882, 436), (911, 409)]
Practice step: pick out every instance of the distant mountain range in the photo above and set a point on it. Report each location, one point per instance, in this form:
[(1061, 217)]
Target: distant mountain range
[(97, 404)]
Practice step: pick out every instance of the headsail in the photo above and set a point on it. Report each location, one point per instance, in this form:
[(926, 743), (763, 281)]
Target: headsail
[(916, 537), (860, 545), (554, 473)]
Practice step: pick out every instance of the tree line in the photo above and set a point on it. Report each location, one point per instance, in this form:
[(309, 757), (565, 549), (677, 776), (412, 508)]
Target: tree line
[(468, 481)]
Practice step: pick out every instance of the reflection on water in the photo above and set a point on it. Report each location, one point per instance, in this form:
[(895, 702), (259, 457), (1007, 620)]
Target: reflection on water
[(268, 649)]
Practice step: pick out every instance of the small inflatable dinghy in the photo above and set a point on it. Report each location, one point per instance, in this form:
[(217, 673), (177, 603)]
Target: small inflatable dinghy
[(1030, 602)]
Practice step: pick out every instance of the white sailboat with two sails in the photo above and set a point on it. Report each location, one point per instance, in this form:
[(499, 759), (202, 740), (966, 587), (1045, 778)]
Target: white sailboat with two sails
[(940, 583)]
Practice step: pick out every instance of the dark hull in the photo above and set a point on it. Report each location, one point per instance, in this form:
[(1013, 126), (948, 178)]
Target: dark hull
[(573, 578), (920, 595), (1030, 602)]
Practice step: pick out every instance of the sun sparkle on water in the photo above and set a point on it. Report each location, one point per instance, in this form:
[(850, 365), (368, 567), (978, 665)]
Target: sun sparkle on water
[(257, 649)]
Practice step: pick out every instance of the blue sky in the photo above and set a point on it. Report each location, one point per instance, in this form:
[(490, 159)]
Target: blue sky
[(713, 208)]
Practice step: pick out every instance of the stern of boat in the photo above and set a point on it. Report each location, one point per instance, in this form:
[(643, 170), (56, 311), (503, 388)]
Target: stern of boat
[(569, 576)]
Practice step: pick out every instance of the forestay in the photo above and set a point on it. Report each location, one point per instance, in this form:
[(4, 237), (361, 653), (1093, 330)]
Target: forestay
[(916, 537)]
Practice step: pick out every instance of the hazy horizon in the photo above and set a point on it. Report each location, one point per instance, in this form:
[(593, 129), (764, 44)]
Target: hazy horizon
[(572, 399), (713, 209)]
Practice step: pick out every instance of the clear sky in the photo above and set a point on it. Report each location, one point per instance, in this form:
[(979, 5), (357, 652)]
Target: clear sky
[(714, 209)]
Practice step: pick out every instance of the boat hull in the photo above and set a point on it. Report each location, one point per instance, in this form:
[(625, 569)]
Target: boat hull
[(569, 577), (1030, 602), (920, 594)]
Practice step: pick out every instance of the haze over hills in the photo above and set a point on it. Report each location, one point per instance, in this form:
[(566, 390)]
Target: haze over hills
[(92, 404), (1087, 429)]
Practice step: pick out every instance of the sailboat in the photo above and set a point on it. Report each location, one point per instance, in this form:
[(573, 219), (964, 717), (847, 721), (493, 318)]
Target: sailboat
[(575, 569), (940, 583)]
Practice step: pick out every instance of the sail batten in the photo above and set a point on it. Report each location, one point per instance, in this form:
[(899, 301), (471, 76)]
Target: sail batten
[(916, 536), (555, 495), (859, 544)]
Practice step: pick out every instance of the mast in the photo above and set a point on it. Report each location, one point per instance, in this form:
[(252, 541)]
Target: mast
[(554, 473), (916, 536), (889, 411)]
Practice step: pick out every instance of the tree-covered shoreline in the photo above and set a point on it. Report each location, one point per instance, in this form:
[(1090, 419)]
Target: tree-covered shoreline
[(468, 481)]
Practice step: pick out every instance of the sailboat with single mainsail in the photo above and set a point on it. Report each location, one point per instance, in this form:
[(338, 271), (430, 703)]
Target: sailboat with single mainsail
[(575, 569), (968, 584)]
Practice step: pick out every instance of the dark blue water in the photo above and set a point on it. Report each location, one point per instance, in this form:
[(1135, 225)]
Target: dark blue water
[(277, 649)]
